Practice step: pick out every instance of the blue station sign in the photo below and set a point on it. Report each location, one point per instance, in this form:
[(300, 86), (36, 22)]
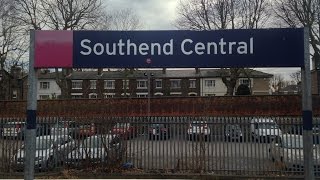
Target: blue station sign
[(175, 49)]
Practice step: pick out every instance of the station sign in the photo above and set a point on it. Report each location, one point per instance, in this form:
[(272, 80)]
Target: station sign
[(170, 49)]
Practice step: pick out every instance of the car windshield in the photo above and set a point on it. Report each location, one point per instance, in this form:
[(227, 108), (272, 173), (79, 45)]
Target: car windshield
[(92, 142), (42, 144), (293, 142), (268, 126)]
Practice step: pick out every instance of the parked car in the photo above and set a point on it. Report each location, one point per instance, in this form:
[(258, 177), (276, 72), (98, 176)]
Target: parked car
[(233, 132), (198, 130), (64, 128), (96, 149), (50, 152), (124, 130), (264, 129), (298, 129), (159, 131), (13, 129), (84, 130), (42, 129), (288, 150)]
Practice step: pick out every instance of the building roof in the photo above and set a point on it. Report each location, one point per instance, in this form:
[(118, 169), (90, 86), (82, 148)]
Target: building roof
[(136, 74)]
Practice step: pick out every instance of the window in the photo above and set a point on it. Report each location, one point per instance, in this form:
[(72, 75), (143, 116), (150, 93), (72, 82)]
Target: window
[(192, 83), (245, 82), (93, 96), (209, 83), (77, 84), (14, 94), (109, 95), (93, 84), (142, 95), (109, 84), (175, 83), (42, 97), (44, 85), (142, 84), (158, 83), (76, 95), (125, 84)]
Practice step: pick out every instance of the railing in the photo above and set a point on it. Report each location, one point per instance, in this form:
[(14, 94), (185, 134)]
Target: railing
[(267, 146)]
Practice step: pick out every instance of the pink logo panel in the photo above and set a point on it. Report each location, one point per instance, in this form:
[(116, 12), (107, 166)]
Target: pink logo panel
[(53, 49)]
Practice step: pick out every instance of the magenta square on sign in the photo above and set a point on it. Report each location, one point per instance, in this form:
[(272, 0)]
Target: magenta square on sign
[(53, 49)]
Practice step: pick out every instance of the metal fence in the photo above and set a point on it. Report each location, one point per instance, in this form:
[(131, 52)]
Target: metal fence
[(268, 146)]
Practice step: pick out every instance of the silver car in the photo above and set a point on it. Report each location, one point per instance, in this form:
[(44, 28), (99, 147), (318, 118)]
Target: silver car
[(50, 152), (288, 151), (96, 149)]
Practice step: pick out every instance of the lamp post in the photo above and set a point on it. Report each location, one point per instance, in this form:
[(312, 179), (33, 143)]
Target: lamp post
[(148, 74)]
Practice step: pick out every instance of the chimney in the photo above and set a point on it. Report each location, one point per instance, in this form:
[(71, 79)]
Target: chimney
[(164, 70), (16, 71)]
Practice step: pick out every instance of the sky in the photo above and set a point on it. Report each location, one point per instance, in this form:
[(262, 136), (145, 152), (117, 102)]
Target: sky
[(155, 14), (161, 14)]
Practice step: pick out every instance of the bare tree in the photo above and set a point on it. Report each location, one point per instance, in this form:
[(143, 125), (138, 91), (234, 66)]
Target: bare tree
[(278, 82), (223, 14), (124, 19), (302, 13), (296, 77), (12, 46), (59, 15)]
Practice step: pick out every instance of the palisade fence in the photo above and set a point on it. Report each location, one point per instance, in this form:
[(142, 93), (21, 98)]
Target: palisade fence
[(254, 144)]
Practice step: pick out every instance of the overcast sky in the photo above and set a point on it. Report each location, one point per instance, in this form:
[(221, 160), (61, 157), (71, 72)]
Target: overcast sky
[(160, 15), (155, 14)]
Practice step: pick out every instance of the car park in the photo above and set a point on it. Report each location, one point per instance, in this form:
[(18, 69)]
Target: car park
[(124, 130), (298, 129), (198, 130), (50, 152), (264, 129), (63, 127), (13, 129), (96, 149), (84, 130), (41, 130), (233, 132), (288, 151), (159, 131)]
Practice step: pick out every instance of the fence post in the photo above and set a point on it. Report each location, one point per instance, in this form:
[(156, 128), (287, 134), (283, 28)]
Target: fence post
[(307, 111), (30, 139)]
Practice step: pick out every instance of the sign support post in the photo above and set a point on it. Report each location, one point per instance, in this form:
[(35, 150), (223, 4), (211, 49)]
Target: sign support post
[(30, 139), (307, 111)]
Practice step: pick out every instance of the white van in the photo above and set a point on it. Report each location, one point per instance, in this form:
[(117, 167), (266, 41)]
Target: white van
[(264, 129)]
